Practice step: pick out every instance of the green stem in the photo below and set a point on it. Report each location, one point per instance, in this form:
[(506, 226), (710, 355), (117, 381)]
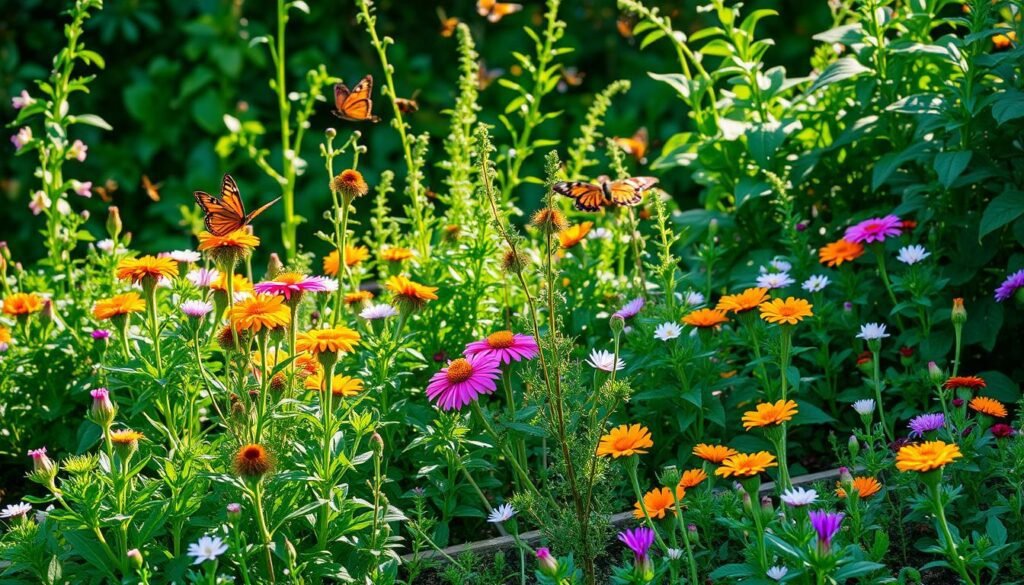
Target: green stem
[(951, 549), (326, 407), (876, 378), (264, 532)]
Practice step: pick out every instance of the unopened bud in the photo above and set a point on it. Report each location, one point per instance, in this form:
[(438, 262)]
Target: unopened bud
[(766, 504), (844, 476), (102, 411), (274, 266), (617, 323), (377, 444), (854, 446), (43, 468), (330, 132), (114, 225), (135, 558), (692, 533), (548, 563), (670, 476), (959, 314), (234, 512)]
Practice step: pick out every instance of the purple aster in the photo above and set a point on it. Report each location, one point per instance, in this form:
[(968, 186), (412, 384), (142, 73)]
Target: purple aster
[(826, 524), (1010, 286), (630, 309), (876, 229), (101, 334), (638, 540), (919, 425)]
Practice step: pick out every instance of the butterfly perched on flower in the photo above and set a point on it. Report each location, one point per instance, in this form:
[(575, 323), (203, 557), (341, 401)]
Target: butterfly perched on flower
[(495, 11), (356, 104), (592, 197), (226, 213), (635, 146)]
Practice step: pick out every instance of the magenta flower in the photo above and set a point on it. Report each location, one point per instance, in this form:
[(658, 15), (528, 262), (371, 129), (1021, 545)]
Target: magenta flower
[(826, 524), (548, 563), (41, 463), (464, 380), (102, 411), (287, 284), (926, 423), (630, 309), (639, 540), (1010, 286), (196, 309), (876, 229), (508, 347), (101, 334)]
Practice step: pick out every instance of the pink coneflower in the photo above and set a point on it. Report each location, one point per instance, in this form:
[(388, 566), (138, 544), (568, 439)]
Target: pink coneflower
[(630, 309), (1010, 286), (463, 380), (508, 347), (288, 284), (876, 229)]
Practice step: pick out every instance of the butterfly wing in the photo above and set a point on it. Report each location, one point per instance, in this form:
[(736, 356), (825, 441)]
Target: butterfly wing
[(224, 214), (629, 192), (355, 105), (587, 196), (255, 212), (503, 9)]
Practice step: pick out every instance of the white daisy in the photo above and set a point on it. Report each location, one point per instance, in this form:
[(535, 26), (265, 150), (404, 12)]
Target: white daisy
[(777, 573), (207, 549), (864, 407), (816, 283), (501, 514), (16, 510), (381, 311), (872, 331), (780, 265), (675, 553), (599, 234), (667, 330), (798, 496), (604, 360), (694, 298), (912, 254), (184, 256), (772, 280)]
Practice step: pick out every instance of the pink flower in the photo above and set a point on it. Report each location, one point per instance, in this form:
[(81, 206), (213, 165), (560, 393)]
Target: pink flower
[(23, 137), (101, 334), (78, 150), (41, 463), (876, 229), (287, 284), (464, 380), (508, 347), (22, 100), (82, 188), (39, 203)]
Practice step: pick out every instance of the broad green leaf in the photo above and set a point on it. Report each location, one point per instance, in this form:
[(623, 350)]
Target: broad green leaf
[(950, 165), (1002, 210), (841, 69), (1008, 106)]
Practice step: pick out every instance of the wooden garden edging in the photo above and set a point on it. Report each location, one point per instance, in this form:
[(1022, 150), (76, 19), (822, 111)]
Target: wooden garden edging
[(492, 545)]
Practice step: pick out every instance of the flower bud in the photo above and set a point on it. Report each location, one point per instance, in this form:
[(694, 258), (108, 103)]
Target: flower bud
[(906, 355), (935, 374), (959, 314), (377, 444), (670, 476), (46, 314), (114, 224), (766, 505), (549, 220), (958, 402), (617, 324), (274, 266), (854, 446), (44, 470), (234, 512), (330, 132), (135, 558), (692, 533), (548, 564), (102, 411)]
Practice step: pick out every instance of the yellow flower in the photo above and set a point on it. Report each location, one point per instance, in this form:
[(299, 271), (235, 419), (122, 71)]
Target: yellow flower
[(692, 478), (411, 295), (705, 318), (714, 453), (790, 311), (744, 301), (240, 283), (343, 386), (864, 486), (118, 305), (625, 440), (260, 311), (5, 335), (23, 304), (657, 501), (840, 251), (317, 341), (927, 456), (353, 256), (769, 414), (125, 437), (396, 254), (574, 235), (138, 269), (989, 406), (746, 464)]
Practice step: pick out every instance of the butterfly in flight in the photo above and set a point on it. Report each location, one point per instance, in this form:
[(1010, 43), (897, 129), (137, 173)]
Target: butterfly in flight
[(408, 105), (495, 11), (152, 189), (592, 197), (635, 146), (356, 104), (226, 213), (106, 190), (485, 76), (448, 23)]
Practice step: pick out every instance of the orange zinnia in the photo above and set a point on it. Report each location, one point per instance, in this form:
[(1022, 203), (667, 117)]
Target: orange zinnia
[(317, 341), (972, 382), (260, 311), (840, 251), (788, 312), (989, 406), (744, 301), (341, 385), (692, 478), (358, 297), (746, 464), (768, 414), (705, 318), (657, 502), (396, 254), (574, 235), (138, 269), (927, 456), (864, 486), (409, 294), (714, 453), (23, 304), (625, 440), (239, 239), (118, 305)]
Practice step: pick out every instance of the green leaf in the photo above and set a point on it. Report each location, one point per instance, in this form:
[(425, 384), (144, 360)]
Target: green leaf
[(1000, 386), (731, 571), (809, 414), (749, 188), (677, 81), (856, 569), (1008, 106), (995, 530), (1002, 210), (91, 120), (950, 165), (841, 69)]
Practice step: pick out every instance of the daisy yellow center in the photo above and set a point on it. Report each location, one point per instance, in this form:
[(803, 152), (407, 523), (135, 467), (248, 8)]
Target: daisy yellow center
[(501, 340), (459, 371), (289, 278)]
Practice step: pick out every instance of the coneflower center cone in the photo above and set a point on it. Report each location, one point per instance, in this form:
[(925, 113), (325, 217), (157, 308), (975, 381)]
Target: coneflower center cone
[(459, 370)]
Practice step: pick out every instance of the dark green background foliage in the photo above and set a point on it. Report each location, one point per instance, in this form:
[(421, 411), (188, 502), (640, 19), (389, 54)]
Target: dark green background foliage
[(175, 68)]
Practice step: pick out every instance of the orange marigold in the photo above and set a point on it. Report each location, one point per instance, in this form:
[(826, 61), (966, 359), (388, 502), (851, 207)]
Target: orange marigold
[(23, 304), (138, 269), (770, 414), (692, 478), (927, 456), (358, 297), (573, 235), (118, 305), (353, 256), (657, 502), (705, 318), (395, 254), (742, 302), (840, 251), (787, 312), (239, 239), (409, 294), (260, 311), (972, 382), (864, 486), (989, 406), (625, 440), (746, 464), (714, 453)]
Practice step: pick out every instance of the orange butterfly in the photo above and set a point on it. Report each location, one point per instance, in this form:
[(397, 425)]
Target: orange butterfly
[(485, 76), (152, 190), (106, 191), (226, 213), (448, 23), (636, 146), (495, 11), (355, 105), (625, 27), (591, 197)]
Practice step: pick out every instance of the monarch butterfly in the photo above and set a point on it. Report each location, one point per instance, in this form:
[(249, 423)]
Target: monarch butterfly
[(636, 146), (152, 189), (592, 197), (356, 104), (495, 11), (226, 213)]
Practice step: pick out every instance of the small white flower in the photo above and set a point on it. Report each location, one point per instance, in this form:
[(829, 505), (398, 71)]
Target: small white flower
[(106, 246), (777, 573), (501, 514), (798, 496), (599, 234), (184, 256), (864, 407), (780, 265), (694, 298), (912, 254), (604, 360), (381, 311), (872, 331), (675, 553), (207, 549), (667, 330), (42, 514), (772, 280), (16, 510), (816, 283)]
